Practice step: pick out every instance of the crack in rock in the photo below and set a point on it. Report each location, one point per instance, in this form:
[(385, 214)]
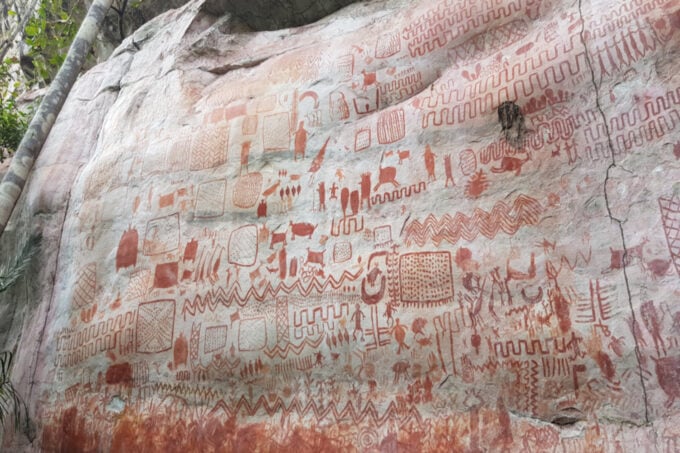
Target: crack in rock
[(619, 222)]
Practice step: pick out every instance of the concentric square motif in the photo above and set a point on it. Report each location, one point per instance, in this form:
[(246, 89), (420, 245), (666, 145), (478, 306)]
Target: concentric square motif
[(155, 326)]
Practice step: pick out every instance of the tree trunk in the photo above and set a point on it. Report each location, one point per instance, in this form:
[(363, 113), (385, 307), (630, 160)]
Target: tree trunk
[(30, 146)]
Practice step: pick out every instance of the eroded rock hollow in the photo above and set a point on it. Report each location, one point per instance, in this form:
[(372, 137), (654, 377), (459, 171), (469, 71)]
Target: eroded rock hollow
[(444, 225)]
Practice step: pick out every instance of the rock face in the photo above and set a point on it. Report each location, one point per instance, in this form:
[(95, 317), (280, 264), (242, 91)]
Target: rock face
[(268, 15), (412, 226)]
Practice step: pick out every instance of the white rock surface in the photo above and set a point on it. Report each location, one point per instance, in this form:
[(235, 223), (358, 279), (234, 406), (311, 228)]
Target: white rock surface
[(321, 239)]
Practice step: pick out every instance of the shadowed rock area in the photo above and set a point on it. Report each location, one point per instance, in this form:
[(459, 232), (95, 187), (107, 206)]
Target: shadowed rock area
[(272, 15)]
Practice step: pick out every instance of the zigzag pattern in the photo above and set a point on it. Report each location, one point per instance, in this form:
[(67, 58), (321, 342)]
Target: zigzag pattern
[(199, 394), (212, 299), (296, 349), (491, 364), (572, 266), (533, 385), (509, 219), (320, 412)]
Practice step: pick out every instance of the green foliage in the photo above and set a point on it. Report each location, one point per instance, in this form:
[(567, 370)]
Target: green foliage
[(13, 122), (10, 272), (49, 34), (12, 406)]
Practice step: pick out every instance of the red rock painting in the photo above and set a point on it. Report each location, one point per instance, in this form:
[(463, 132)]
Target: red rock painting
[(445, 225), (155, 326)]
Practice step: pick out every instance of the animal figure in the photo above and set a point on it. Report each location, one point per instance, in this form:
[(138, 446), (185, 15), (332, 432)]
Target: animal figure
[(509, 163), (278, 238), (659, 268), (403, 155), (302, 229), (372, 275), (387, 175), (315, 257), (618, 260), (400, 369)]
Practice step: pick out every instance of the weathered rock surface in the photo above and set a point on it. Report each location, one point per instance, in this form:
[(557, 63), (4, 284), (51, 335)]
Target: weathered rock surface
[(410, 226)]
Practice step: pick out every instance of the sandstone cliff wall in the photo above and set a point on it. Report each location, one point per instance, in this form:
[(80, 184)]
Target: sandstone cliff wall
[(410, 226)]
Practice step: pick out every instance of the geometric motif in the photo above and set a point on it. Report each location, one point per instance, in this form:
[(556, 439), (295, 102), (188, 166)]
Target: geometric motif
[(451, 228), (162, 235), (252, 334), (249, 126), (282, 322), (344, 67), (362, 139), (391, 126), (247, 190), (215, 338), (276, 132), (426, 278), (342, 251), (155, 326), (243, 246), (670, 216), (210, 199), (86, 286), (209, 148), (387, 45), (382, 235)]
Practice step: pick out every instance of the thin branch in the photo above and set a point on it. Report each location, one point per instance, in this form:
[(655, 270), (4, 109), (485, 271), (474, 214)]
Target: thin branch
[(121, 15), (7, 44)]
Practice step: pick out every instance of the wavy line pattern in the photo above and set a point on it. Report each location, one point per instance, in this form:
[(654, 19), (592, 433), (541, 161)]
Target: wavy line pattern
[(509, 219), (447, 21), (333, 411), (215, 297), (295, 349)]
